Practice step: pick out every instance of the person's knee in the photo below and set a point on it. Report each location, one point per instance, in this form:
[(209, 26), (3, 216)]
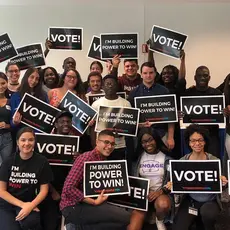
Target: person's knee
[(209, 214), (31, 221), (162, 205)]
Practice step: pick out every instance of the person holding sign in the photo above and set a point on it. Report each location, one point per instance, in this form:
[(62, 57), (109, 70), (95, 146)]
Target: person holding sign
[(70, 80), (12, 71), (24, 180), (131, 78), (153, 164), (5, 115), (110, 86), (207, 206), (202, 88), (150, 88), (31, 83), (50, 78), (95, 213)]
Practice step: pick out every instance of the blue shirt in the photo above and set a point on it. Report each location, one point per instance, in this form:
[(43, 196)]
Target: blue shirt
[(155, 89)]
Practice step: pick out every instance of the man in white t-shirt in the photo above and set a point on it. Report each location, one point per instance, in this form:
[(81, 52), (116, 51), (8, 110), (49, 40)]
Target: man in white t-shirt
[(110, 86)]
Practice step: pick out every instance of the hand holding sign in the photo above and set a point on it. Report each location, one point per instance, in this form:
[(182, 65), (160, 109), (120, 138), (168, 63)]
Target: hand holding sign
[(17, 118), (101, 198), (224, 180)]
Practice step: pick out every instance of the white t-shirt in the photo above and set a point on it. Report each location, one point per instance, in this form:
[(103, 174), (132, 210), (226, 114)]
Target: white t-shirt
[(152, 168), (120, 141)]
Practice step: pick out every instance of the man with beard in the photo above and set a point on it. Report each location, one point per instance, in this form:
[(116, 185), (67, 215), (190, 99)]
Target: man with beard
[(202, 88)]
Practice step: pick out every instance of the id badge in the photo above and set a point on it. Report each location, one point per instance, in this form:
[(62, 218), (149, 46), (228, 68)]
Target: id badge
[(193, 211)]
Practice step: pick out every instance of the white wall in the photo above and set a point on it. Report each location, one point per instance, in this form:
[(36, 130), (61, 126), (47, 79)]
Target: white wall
[(207, 25)]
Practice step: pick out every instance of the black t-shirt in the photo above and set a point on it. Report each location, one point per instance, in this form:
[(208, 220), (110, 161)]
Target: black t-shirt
[(194, 92), (24, 177), (5, 115)]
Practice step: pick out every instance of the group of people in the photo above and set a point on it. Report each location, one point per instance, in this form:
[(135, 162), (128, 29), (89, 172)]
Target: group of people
[(33, 194)]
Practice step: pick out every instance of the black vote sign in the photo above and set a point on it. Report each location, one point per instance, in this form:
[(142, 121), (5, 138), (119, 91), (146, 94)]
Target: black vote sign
[(58, 149), (29, 56), (66, 38), (138, 197), (190, 176), (81, 111), (157, 109), (167, 41), (125, 45), (122, 120), (95, 49), (111, 176), (203, 109), (37, 114), (7, 49)]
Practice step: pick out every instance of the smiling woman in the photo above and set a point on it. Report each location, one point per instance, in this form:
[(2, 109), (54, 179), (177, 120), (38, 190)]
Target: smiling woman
[(20, 178)]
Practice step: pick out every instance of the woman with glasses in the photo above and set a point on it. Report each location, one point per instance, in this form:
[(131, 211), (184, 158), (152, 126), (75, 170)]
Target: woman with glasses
[(13, 74), (208, 206), (70, 80), (153, 164)]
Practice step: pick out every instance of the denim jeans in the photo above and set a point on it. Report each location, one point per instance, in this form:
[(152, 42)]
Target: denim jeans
[(6, 146)]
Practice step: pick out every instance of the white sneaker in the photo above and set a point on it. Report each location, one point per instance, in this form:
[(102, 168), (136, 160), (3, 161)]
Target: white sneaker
[(160, 224)]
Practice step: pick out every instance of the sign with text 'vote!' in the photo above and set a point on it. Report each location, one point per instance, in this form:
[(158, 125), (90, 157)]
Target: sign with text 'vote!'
[(7, 49), (29, 56), (58, 149), (157, 109), (66, 38), (111, 176), (122, 120), (167, 42), (125, 44), (93, 97), (194, 176), (95, 49), (203, 109), (37, 114), (81, 111), (138, 197)]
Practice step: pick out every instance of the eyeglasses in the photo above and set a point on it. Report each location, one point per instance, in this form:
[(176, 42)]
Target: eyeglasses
[(144, 142), (193, 141), (71, 77), (106, 142)]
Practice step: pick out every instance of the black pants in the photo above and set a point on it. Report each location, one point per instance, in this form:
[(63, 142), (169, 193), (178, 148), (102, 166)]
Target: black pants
[(207, 211), (8, 214), (101, 217)]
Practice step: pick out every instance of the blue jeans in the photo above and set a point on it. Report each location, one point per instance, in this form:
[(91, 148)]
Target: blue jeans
[(6, 146)]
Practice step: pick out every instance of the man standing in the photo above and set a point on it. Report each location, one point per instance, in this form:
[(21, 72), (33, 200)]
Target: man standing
[(110, 86), (150, 88), (96, 213), (202, 88), (131, 78)]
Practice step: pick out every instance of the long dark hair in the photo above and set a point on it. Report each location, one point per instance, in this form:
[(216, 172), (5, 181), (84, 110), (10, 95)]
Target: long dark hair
[(4, 77), (152, 132), (25, 88), (79, 86), (42, 75)]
